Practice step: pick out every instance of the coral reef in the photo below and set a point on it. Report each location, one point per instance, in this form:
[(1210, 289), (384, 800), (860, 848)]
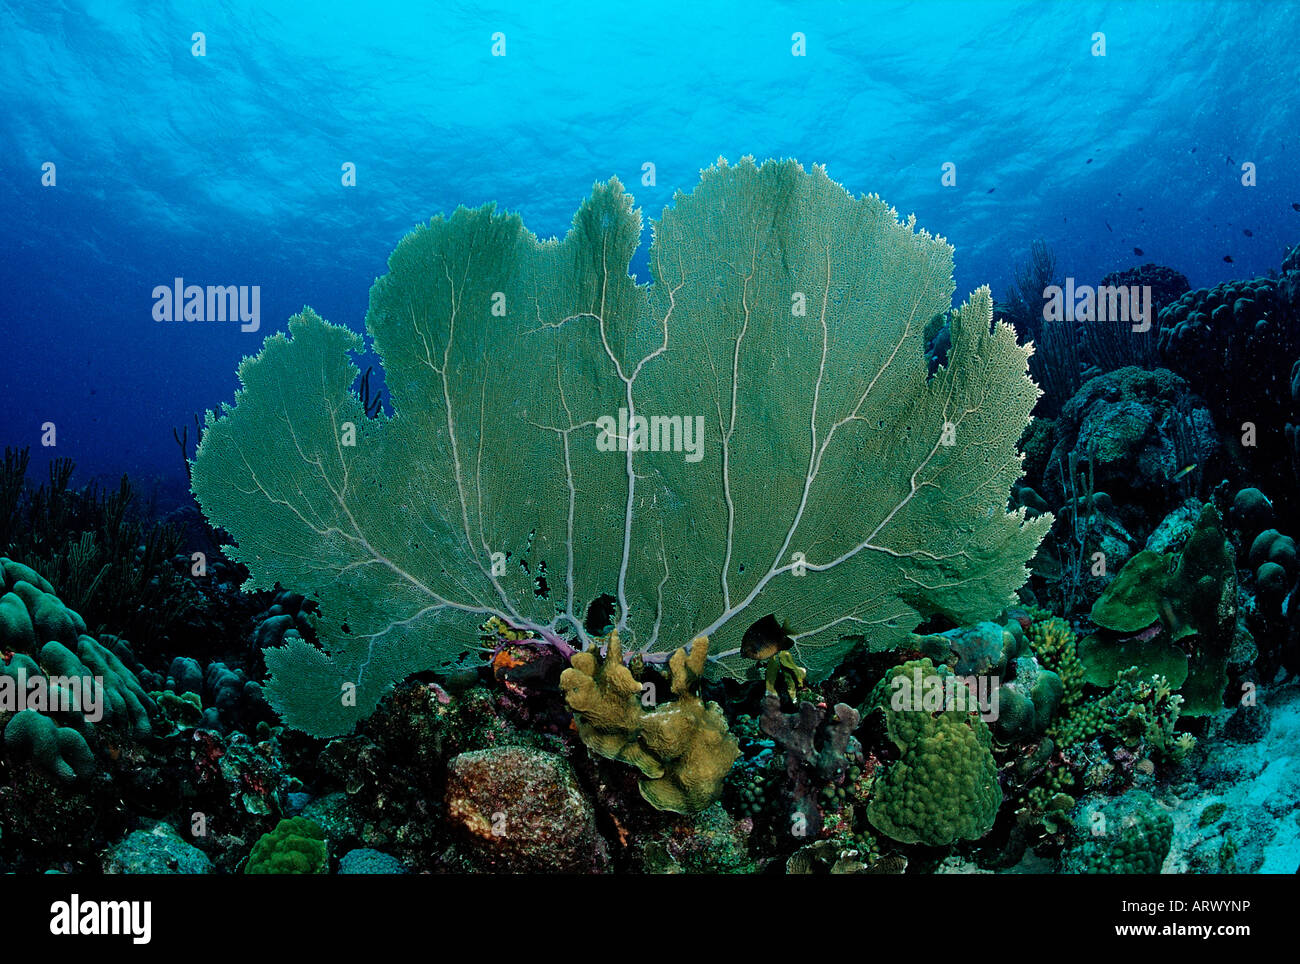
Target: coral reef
[(1168, 599), (408, 556), (1135, 430)]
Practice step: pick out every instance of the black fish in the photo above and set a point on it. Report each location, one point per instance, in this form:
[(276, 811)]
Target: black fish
[(990, 190), (1248, 232), (1109, 228), (1228, 258), (765, 638), (1138, 252), (1088, 161), (1295, 205), (1230, 160)]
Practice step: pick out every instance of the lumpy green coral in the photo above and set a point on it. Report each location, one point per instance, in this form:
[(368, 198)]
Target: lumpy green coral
[(682, 748), (1130, 834), (944, 786), (756, 432), (295, 846), (75, 681), (60, 750), (1028, 703)]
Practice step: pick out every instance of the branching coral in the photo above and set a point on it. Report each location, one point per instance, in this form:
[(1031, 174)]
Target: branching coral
[(682, 748), (819, 748)]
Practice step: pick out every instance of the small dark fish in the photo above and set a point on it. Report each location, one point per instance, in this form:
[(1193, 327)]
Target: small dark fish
[(1228, 258), (1088, 161), (990, 190), (1138, 252), (765, 638), (1295, 205), (1109, 228), (1248, 232), (1193, 150)]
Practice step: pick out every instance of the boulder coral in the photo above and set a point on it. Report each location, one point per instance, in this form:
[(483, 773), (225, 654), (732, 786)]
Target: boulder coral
[(60, 681), (944, 785)]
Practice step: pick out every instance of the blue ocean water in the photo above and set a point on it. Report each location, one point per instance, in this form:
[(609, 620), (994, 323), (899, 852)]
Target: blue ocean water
[(227, 168)]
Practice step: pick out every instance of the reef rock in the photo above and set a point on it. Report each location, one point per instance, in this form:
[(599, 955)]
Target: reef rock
[(520, 810)]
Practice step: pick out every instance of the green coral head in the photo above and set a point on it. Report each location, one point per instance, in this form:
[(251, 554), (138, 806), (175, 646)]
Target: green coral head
[(295, 846), (944, 785)]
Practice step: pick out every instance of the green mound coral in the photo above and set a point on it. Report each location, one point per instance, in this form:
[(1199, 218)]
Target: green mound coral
[(1130, 834), (1028, 703), (1191, 593), (59, 750), (295, 846), (944, 786), (561, 433), (67, 681), (682, 748)]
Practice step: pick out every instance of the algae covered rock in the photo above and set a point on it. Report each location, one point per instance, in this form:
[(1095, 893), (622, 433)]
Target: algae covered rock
[(1135, 429), (364, 860), (156, 850), (709, 842), (520, 810), (1129, 834)]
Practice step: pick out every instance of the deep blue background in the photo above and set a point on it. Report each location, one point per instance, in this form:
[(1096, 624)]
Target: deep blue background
[(225, 169)]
